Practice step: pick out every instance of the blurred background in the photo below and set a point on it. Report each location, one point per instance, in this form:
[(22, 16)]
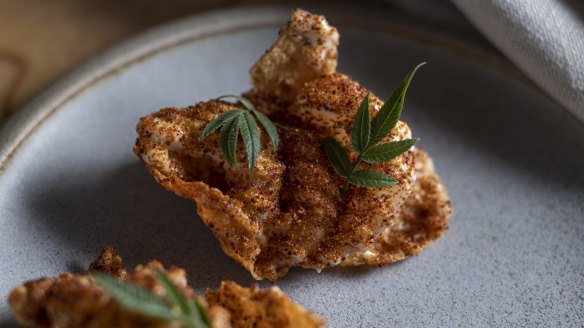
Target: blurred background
[(42, 39)]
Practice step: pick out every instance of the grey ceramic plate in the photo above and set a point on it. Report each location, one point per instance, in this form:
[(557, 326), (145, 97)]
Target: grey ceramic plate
[(513, 162)]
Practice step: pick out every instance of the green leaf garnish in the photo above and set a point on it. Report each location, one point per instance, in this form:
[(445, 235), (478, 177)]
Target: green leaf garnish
[(175, 297), (337, 156), (361, 130), (218, 121), (386, 152), (365, 138), (250, 134), (175, 307), (371, 178), (244, 101), (390, 112), (242, 121), (134, 297), (269, 127), (228, 139)]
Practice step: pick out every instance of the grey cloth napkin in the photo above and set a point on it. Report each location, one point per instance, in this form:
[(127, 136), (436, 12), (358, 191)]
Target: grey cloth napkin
[(544, 38)]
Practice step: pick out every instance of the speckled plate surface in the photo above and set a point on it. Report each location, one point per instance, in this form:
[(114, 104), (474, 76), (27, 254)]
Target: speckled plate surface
[(513, 162)]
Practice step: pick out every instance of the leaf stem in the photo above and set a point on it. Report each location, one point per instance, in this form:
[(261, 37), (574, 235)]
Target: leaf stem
[(355, 165)]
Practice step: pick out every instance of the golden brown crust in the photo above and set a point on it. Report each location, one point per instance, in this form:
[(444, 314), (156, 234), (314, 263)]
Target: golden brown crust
[(231, 201), (280, 216), (422, 219), (310, 205), (262, 308), (306, 49), (71, 301), (109, 262), (288, 211), (424, 216)]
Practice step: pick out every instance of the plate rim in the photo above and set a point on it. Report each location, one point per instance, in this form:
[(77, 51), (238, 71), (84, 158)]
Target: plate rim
[(16, 130)]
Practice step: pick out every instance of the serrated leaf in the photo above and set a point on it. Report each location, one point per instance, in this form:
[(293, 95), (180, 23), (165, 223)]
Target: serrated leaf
[(250, 134), (191, 315), (228, 139), (337, 156), (134, 298), (269, 127), (217, 122), (361, 130), (203, 312), (193, 320), (370, 178), (389, 114), (198, 317), (245, 102), (388, 151), (175, 297)]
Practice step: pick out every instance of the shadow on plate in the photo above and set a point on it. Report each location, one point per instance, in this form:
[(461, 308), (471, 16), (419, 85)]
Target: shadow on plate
[(530, 134), (297, 274), (127, 209), (9, 323)]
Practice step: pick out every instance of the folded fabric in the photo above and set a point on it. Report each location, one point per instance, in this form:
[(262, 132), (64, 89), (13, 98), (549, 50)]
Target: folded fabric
[(544, 38)]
